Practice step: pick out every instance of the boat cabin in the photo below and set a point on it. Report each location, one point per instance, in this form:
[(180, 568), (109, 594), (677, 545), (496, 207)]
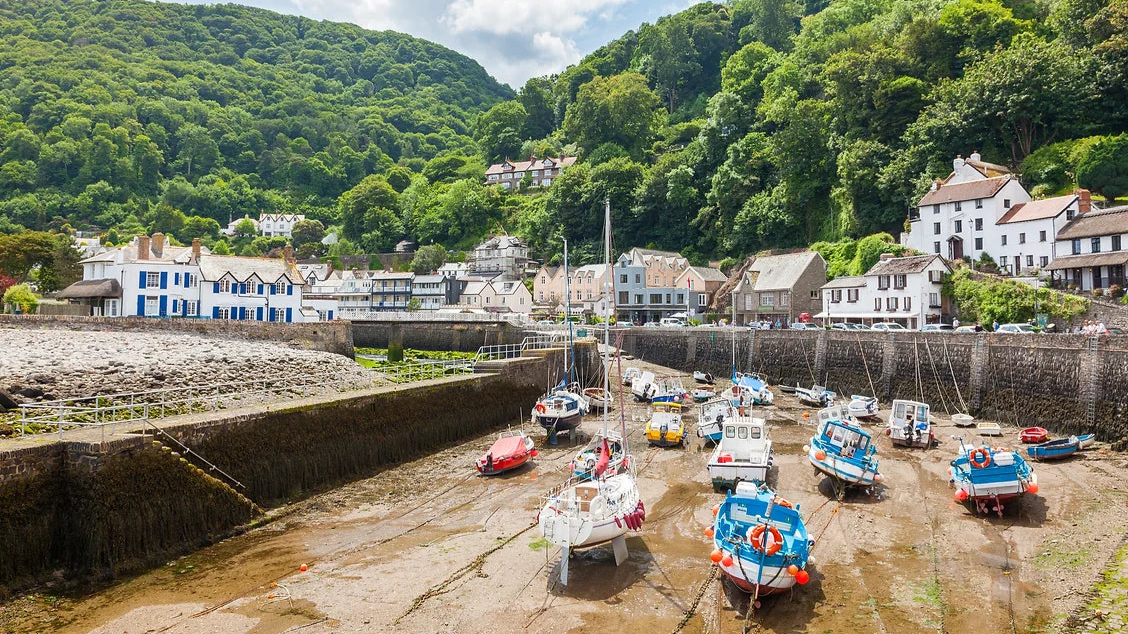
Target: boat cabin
[(909, 413), (564, 403), (838, 433), (743, 432), (666, 407)]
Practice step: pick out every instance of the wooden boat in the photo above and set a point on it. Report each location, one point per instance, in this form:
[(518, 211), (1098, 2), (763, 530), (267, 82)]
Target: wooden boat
[(863, 407), (989, 429), (703, 394), (665, 427), (598, 398), (1055, 449), (963, 420), (987, 477), (744, 454), (508, 452), (1086, 440), (843, 450), (760, 541), (1034, 435), (909, 424), (711, 418)]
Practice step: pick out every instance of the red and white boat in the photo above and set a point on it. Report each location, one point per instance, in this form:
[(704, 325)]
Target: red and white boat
[(1034, 435), (508, 452)]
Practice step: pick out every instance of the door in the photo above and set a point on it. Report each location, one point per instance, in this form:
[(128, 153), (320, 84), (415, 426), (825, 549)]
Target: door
[(1017, 264), (955, 248)]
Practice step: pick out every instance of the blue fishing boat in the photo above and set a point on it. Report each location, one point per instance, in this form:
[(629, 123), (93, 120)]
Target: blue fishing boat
[(990, 476), (750, 389), (1085, 440), (1055, 449), (712, 417), (843, 450), (760, 541)]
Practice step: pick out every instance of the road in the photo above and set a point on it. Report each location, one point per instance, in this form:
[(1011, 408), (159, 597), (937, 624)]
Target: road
[(430, 547)]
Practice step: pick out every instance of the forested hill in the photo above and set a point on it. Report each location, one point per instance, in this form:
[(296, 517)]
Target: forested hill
[(110, 109)]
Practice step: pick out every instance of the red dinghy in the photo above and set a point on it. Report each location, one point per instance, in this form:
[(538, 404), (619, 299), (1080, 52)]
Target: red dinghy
[(507, 452), (1033, 434)]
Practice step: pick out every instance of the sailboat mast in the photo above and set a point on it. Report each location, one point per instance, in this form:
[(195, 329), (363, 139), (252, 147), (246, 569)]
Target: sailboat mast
[(568, 318), (607, 316)]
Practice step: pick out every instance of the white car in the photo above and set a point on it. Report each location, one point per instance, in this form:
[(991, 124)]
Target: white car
[(887, 325), (1024, 329), (965, 329), (936, 328)]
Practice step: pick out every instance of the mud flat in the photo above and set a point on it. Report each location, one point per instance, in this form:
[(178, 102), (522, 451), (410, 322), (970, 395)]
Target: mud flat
[(432, 547)]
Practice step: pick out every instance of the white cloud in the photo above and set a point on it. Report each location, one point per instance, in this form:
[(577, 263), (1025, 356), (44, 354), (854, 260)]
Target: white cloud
[(504, 16)]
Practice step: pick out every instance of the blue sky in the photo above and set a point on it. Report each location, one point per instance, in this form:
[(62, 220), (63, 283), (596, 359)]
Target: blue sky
[(512, 39)]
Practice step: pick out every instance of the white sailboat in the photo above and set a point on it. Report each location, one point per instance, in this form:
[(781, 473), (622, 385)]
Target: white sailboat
[(583, 512)]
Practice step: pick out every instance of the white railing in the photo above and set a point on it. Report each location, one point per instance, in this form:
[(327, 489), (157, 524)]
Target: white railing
[(110, 410), (514, 350), (410, 316), (421, 370)]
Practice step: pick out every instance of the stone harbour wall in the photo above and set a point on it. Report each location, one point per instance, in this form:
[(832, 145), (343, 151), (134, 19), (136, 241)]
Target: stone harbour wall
[(1065, 383), (457, 336)]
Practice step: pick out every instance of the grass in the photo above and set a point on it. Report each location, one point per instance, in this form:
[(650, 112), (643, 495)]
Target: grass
[(538, 544), (412, 354), (1058, 557), (929, 592)]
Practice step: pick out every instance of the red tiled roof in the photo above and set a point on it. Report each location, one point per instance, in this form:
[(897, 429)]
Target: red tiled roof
[(1037, 209), (536, 163), (986, 188)]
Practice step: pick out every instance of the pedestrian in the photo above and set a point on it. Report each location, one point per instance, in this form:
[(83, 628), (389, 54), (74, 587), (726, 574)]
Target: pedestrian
[(995, 325), (955, 324), (1101, 330), (978, 327)]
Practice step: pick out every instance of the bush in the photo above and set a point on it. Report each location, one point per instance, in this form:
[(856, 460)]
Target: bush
[(1097, 292), (726, 264), (1007, 301), (1115, 291), (20, 295)]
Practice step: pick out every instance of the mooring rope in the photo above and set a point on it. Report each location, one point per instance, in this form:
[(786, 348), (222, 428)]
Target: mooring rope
[(932, 365), (952, 370)]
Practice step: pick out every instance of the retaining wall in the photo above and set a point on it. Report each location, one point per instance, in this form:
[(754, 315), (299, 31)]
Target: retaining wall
[(329, 336), (1066, 383), (435, 335), (99, 509)]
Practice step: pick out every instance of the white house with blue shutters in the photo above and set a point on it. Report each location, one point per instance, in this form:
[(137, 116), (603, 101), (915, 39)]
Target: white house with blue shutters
[(151, 279)]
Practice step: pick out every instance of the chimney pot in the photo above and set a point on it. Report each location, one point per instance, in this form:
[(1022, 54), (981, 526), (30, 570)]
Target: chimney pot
[(975, 156), (885, 256), (142, 247), (959, 162), (196, 249), (158, 244)]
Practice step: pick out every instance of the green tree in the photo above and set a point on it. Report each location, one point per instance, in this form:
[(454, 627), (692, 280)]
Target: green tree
[(619, 109), (768, 21), (1104, 169), (537, 100), (370, 207), (428, 257), (167, 220), (21, 297), (307, 231), (245, 228), (498, 131), (20, 253), (199, 227), (221, 248)]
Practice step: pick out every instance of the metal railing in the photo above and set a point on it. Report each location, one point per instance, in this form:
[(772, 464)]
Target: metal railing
[(110, 410), (421, 370), (413, 316), (514, 350)]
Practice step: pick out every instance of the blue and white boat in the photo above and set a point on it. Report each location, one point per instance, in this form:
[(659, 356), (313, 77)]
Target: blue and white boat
[(817, 396), (760, 541), (842, 449), (750, 389), (1086, 440), (711, 418), (1055, 449), (669, 390), (863, 407), (563, 408), (990, 476)]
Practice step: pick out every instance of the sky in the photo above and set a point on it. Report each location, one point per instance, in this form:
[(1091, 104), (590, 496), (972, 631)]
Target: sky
[(513, 39)]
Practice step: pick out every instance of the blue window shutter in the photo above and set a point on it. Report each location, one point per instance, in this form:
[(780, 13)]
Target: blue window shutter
[(271, 289), (215, 287), (187, 280), (242, 312), (258, 311), (289, 315), (164, 279), (164, 303), (141, 283), (273, 316), (243, 289), (215, 312), (260, 289), (290, 289), (141, 302), (330, 314), (175, 306), (176, 279)]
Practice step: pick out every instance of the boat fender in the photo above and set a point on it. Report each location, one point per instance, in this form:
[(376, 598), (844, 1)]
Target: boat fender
[(980, 458), (632, 521), (618, 522), (642, 510)]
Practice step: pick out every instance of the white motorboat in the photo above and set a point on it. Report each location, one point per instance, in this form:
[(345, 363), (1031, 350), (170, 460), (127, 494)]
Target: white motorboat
[(909, 424), (744, 453), (711, 418), (863, 407)]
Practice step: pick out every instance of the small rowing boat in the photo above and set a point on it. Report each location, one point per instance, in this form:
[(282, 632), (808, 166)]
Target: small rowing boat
[(508, 452), (704, 377), (702, 394), (1055, 449), (597, 397), (989, 429), (1034, 435), (1086, 440)]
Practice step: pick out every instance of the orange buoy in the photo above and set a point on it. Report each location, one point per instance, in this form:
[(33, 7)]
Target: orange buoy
[(961, 495), (303, 567), (726, 561), (1032, 487), (716, 555), (806, 415), (716, 508), (802, 577), (792, 570), (820, 454), (709, 532)]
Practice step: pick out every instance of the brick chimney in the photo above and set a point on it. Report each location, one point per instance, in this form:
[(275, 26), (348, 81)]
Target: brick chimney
[(196, 250), (158, 244), (288, 253), (142, 247), (885, 256), (1084, 201)]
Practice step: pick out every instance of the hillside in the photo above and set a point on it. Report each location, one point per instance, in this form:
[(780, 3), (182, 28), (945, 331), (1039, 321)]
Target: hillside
[(110, 109)]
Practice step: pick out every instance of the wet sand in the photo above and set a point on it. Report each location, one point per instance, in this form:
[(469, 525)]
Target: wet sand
[(432, 547)]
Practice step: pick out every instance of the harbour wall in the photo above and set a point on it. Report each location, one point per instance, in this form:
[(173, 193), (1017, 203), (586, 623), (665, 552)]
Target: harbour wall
[(96, 509), (1065, 383), (330, 336), (458, 336)]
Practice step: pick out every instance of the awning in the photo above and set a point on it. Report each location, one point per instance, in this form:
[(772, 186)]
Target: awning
[(92, 289), (881, 315), (1089, 259)]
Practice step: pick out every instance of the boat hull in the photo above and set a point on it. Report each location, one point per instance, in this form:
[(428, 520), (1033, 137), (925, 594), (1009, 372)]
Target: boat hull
[(843, 470), (1086, 440), (503, 465), (559, 424), (727, 475), (773, 579)]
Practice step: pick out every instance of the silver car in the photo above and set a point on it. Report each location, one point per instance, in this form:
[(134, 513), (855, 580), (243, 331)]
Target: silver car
[(1024, 329), (936, 328), (887, 325)]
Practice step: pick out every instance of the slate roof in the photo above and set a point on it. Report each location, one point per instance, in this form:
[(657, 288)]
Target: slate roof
[(535, 163), (780, 272), (971, 190), (269, 270), (1102, 222), (903, 266), (708, 274), (851, 281), (1037, 209)]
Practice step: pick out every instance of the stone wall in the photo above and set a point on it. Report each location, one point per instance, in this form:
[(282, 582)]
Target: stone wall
[(96, 510), (330, 336), (1066, 383), (437, 335)]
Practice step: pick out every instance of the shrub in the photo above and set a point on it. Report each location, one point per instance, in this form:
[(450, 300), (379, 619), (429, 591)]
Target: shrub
[(20, 295), (1115, 291), (1097, 292)]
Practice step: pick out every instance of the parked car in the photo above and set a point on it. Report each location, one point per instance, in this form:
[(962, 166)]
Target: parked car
[(624, 324), (936, 328), (1115, 331), (805, 326), (887, 325), (1024, 329), (842, 325), (671, 322), (964, 329), (650, 324)]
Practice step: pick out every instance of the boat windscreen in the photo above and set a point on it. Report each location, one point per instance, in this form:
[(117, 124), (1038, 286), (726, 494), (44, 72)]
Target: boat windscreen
[(781, 518)]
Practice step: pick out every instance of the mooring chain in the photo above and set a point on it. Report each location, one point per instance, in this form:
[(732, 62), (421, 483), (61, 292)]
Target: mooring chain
[(697, 600)]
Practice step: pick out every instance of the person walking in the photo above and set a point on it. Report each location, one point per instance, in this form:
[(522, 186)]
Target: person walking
[(955, 324), (995, 325)]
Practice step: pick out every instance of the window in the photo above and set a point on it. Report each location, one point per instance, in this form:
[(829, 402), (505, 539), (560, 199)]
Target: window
[(890, 303), (1004, 240), (959, 207), (668, 298), (936, 228), (152, 306), (1022, 238), (767, 299), (1029, 260), (908, 303), (111, 308), (224, 312), (280, 288), (979, 203), (1044, 261), (638, 278), (546, 182), (936, 209), (882, 282), (1096, 242), (979, 244), (702, 299), (851, 295), (748, 301), (624, 297), (280, 313), (936, 247), (493, 177), (1041, 236), (979, 224), (877, 303), (836, 296), (175, 306), (536, 172), (899, 281), (936, 277), (152, 280), (638, 299), (655, 298), (1076, 244), (1006, 203), (225, 286), (783, 297), (1115, 243), (933, 300), (1068, 214), (959, 226), (623, 279)]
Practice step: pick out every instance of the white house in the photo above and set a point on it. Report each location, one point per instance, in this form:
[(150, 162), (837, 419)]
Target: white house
[(1026, 233), (1091, 249), (498, 296), (374, 291), (272, 225), (320, 295), (504, 256), (231, 226), (152, 279), (905, 290)]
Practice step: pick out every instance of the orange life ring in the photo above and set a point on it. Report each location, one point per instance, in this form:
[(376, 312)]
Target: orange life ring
[(774, 540), (979, 464), (784, 503), (540, 407)]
